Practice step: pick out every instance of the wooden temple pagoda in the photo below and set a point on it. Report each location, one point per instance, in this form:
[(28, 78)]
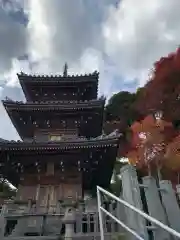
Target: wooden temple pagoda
[(63, 152)]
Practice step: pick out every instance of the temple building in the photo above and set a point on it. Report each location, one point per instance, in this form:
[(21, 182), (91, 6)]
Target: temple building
[(63, 153)]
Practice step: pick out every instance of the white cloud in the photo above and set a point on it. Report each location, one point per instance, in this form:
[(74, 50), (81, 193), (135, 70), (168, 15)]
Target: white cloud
[(12, 45), (122, 42), (139, 32), (69, 31), (11, 76), (12, 40), (7, 131), (80, 32)]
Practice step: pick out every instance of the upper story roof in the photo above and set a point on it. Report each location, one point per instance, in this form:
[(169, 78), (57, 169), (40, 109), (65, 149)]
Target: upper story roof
[(59, 87)]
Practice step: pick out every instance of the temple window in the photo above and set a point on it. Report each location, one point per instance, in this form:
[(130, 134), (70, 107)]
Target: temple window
[(55, 137)]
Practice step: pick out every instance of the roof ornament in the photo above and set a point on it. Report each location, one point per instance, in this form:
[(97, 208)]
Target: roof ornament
[(65, 72), (114, 133), (95, 73), (22, 73), (102, 97), (8, 99)]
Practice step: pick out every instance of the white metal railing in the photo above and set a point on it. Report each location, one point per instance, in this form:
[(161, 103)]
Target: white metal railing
[(138, 211)]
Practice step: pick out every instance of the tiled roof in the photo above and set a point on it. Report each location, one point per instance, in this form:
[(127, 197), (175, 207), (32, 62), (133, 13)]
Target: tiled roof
[(101, 141), (53, 104), (81, 77)]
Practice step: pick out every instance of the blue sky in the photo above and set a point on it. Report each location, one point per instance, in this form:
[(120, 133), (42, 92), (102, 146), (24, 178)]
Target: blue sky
[(121, 39)]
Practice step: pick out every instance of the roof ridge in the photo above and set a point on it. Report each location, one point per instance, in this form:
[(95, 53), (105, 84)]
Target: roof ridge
[(112, 136), (95, 73), (99, 100)]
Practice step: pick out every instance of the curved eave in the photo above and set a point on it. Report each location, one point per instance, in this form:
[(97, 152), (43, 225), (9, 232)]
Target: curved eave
[(16, 149), (43, 106), (112, 142), (13, 108)]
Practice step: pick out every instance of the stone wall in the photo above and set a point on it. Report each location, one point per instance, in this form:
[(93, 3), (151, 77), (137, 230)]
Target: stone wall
[(76, 222)]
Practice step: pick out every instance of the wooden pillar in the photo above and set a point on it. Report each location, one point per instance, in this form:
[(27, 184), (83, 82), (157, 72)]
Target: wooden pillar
[(155, 207), (170, 203), (29, 206), (131, 194), (3, 220), (37, 192), (178, 191), (120, 214)]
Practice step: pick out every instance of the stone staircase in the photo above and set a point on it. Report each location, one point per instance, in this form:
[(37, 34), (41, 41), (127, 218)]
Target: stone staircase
[(72, 225), (85, 237), (32, 238)]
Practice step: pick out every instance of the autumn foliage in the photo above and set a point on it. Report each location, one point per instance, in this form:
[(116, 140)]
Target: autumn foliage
[(135, 115), (153, 142), (172, 156), (162, 92)]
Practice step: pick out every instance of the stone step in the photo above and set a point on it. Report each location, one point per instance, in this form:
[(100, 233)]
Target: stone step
[(85, 237), (58, 238), (32, 238)]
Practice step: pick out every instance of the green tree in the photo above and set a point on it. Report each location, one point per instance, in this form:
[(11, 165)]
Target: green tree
[(120, 108)]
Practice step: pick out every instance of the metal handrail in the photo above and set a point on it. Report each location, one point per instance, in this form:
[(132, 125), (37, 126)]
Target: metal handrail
[(141, 213)]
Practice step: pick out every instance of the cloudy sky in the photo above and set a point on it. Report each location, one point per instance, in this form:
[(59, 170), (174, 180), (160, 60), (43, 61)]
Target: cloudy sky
[(121, 39)]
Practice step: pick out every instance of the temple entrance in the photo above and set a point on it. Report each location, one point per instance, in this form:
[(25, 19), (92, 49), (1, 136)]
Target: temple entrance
[(10, 225), (48, 197)]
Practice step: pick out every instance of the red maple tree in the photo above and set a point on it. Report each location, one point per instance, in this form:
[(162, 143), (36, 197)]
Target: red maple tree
[(148, 141), (162, 91)]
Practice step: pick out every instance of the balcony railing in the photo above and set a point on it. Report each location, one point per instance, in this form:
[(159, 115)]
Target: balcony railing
[(155, 223)]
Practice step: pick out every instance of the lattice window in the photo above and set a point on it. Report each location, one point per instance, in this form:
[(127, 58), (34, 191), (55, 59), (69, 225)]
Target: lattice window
[(43, 196), (50, 168)]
